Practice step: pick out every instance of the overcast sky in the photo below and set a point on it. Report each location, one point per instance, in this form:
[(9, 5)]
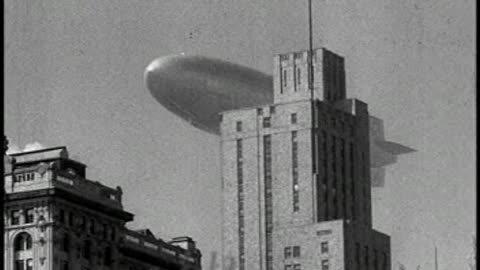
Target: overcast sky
[(74, 77)]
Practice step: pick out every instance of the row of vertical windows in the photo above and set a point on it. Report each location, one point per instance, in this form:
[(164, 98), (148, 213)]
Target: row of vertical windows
[(336, 158), (333, 160), (323, 143), (365, 186), (266, 120), (295, 188), (86, 250), (92, 227), (297, 76), (28, 216), (240, 194), (292, 252), (296, 266), (367, 257), (267, 155), (352, 178), (23, 177)]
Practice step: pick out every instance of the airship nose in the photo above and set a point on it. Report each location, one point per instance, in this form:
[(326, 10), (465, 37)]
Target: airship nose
[(198, 88)]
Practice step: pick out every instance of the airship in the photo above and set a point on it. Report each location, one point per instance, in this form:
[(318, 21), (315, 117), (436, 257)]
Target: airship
[(199, 88)]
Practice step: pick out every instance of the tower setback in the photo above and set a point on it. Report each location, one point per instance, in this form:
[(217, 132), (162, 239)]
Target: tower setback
[(296, 175)]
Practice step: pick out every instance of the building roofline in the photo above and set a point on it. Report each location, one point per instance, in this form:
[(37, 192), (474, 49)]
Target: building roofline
[(38, 151)]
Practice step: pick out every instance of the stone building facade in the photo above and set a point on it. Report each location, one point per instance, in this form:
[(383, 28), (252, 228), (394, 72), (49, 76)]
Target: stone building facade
[(56, 219), (295, 175)]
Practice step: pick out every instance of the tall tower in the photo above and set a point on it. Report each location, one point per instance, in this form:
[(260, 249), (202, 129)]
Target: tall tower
[(295, 175)]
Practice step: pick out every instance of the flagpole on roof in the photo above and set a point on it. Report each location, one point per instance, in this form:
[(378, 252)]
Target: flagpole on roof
[(310, 49)]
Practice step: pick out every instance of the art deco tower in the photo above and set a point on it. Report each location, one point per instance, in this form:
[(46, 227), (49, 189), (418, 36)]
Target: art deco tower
[(296, 177)]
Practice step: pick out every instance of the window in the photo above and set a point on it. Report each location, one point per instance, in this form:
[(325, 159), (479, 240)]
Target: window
[(22, 246), (64, 265), (287, 252), (15, 217), (259, 111), (19, 265), (266, 122), (296, 251), (61, 216), (29, 176), (293, 118), (324, 247), (70, 218), (297, 266), (366, 257), (29, 215), (284, 78), (86, 249), (342, 158), (325, 265), (272, 109), (92, 226), (357, 253), (105, 231), (296, 195), (299, 76), (333, 150), (29, 264), (288, 267), (65, 243), (23, 242), (239, 126), (107, 259), (83, 224), (112, 234)]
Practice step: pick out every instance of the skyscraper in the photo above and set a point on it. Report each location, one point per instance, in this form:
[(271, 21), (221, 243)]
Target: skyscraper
[(296, 175)]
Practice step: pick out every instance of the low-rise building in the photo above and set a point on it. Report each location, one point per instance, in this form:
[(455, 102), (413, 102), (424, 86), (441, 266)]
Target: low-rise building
[(55, 218)]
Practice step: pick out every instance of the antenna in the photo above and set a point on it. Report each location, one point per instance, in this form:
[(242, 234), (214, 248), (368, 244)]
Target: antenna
[(436, 258), (310, 49)]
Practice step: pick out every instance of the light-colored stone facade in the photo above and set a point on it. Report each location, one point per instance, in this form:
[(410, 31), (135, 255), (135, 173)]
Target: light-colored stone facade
[(56, 219), (296, 167)]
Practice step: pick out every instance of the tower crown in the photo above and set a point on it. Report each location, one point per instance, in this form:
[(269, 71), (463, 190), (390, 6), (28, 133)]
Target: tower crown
[(291, 79)]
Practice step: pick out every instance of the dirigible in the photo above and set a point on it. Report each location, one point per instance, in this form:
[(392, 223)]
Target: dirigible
[(198, 88)]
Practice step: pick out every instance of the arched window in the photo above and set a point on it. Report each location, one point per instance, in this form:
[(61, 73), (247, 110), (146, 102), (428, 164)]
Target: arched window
[(22, 242), (22, 247)]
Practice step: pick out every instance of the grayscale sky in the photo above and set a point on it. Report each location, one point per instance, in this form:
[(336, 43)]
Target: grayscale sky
[(74, 77)]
